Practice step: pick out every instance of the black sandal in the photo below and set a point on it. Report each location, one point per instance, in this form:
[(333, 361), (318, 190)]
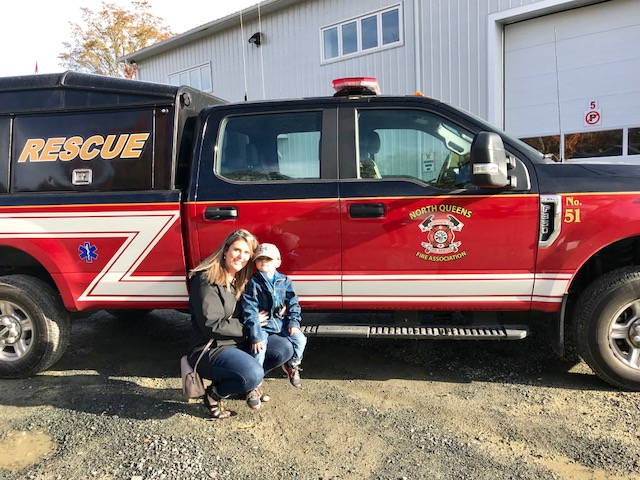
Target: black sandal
[(213, 403)]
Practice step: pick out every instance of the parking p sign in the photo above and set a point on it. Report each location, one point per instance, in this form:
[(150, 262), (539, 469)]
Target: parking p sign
[(592, 117)]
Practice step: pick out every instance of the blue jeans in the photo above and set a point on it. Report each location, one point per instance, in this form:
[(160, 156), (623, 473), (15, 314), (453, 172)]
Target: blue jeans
[(298, 342), (234, 371)]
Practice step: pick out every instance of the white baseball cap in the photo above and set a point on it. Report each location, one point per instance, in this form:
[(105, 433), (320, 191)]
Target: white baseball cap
[(268, 250)]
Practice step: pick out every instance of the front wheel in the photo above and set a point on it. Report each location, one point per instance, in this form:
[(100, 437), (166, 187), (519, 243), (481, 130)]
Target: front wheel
[(34, 326), (607, 327)]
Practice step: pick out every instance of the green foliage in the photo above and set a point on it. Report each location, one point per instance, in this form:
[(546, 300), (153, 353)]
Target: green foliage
[(104, 36)]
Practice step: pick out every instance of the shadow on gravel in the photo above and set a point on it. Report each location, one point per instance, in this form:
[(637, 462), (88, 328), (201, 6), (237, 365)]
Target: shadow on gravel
[(131, 368), (113, 367), (94, 394), (524, 362)]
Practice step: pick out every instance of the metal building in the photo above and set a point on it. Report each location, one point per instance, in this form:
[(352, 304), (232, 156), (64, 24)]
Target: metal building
[(559, 73)]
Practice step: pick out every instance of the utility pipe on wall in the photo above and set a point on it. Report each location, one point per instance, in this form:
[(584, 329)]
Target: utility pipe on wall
[(417, 44)]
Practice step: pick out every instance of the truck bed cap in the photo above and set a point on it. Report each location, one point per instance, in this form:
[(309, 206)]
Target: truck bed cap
[(69, 90)]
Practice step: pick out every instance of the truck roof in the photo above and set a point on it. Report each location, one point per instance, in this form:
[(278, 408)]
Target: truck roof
[(74, 90)]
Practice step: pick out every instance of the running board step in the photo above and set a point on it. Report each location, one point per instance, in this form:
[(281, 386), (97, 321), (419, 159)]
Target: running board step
[(489, 332)]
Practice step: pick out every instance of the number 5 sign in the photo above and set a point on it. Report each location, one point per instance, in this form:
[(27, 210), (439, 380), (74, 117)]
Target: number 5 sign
[(592, 117)]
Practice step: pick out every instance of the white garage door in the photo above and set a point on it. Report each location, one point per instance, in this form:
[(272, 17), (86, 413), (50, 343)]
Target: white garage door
[(577, 73)]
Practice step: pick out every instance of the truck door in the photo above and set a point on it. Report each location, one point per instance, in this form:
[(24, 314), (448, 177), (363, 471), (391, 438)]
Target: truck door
[(415, 235), (274, 173)]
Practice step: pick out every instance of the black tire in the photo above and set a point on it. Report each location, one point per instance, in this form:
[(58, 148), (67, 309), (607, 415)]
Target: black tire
[(607, 327), (35, 328)]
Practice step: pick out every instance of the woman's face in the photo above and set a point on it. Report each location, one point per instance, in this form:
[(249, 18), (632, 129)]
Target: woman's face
[(236, 256)]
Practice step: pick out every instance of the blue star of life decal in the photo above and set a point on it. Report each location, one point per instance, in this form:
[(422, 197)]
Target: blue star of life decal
[(88, 252)]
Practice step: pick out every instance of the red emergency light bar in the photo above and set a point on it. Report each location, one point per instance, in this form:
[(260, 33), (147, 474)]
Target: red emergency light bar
[(356, 86)]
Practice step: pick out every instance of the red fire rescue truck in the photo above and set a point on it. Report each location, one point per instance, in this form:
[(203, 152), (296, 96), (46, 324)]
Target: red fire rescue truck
[(112, 189)]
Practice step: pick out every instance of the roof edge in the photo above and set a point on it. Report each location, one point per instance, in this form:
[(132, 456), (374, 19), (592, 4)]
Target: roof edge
[(262, 8)]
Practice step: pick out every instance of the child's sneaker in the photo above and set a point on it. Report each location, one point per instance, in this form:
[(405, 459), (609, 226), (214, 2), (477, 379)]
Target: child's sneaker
[(293, 372), (253, 399)]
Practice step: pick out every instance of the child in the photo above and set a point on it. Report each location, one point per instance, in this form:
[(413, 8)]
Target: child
[(272, 292)]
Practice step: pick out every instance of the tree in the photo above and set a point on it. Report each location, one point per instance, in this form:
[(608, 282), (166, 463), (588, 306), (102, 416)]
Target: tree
[(104, 36)]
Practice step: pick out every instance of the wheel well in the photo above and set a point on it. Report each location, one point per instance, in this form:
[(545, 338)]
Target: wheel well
[(623, 253), (13, 261)]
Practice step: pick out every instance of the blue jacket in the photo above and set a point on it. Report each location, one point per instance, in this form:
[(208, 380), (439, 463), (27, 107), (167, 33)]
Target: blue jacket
[(261, 294)]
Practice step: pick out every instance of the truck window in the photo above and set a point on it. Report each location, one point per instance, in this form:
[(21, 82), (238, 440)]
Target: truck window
[(415, 144), (270, 146)]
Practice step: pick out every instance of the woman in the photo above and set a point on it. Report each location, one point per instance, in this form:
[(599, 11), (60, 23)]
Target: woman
[(215, 288)]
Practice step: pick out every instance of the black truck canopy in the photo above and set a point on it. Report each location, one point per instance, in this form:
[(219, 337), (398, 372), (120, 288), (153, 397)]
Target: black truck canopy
[(71, 90), (72, 104)]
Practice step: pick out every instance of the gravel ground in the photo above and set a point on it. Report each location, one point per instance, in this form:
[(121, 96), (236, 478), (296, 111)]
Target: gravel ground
[(112, 409)]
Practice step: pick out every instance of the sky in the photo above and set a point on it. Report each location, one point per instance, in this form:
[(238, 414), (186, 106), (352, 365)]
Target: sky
[(33, 30)]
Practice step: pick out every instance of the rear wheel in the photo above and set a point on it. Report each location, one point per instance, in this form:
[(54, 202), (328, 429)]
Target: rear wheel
[(34, 326), (607, 327)]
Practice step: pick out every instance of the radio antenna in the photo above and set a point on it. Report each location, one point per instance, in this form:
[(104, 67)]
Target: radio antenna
[(244, 60), (555, 48)]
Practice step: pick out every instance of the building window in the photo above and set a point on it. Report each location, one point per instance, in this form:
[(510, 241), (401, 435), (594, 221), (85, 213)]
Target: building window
[(593, 144), (606, 143), (634, 141), (349, 38), (549, 145), (369, 28), (198, 77), (390, 27), (369, 32), (331, 43)]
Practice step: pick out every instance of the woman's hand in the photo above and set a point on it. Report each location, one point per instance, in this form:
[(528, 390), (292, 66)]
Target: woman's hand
[(293, 330), (257, 347), (264, 318)]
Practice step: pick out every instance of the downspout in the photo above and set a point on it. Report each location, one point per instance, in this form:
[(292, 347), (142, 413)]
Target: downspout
[(417, 44)]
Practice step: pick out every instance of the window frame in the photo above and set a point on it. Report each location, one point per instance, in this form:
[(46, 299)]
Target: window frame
[(466, 122), (188, 72), (628, 139), (446, 123), (338, 26), (221, 139)]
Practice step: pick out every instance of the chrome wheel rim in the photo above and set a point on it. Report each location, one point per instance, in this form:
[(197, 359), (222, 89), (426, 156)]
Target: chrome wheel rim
[(16, 332), (624, 334)]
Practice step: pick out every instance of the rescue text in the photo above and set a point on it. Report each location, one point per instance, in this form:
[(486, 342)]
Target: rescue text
[(125, 145)]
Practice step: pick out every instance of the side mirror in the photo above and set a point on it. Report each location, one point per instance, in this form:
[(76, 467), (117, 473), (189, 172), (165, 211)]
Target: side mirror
[(490, 162)]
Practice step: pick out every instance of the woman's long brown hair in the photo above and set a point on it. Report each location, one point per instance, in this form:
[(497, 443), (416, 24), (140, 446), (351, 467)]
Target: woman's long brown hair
[(213, 265)]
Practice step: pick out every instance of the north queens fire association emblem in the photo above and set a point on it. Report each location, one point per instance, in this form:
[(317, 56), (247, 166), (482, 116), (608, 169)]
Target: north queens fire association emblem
[(441, 234)]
